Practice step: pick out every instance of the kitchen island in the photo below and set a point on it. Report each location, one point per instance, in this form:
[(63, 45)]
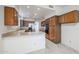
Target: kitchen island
[(20, 42)]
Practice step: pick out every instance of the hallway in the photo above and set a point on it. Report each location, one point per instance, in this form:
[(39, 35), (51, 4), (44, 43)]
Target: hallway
[(52, 48)]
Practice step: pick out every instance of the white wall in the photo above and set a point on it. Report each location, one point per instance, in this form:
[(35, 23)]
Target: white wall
[(1, 18), (70, 32), (70, 35), (37, 26)]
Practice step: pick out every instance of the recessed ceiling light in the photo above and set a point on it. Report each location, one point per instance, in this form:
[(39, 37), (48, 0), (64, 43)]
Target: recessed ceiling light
[(35, 14), (38, 8), (28, 6)]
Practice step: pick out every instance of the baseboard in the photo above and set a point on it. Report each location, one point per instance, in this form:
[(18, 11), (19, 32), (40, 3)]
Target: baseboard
[(70, 48)]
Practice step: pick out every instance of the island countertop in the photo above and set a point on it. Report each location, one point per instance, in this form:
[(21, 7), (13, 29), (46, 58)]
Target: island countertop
[(23, 42)]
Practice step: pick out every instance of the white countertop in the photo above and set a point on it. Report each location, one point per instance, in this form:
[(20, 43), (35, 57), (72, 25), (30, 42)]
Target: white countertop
[(23, 42), (21, 33)]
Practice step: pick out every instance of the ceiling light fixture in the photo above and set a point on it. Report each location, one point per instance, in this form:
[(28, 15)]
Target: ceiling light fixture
[(28, 6), (38, 8), (35, 14)]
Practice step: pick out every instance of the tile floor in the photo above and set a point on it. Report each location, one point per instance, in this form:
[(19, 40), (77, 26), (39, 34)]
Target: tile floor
[(52, 48)]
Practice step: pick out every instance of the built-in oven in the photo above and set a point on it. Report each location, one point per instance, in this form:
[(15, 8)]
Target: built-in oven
[(47, 28)]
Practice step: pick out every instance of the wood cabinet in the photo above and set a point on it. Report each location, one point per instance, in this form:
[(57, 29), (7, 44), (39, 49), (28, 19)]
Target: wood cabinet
[(70, 17), (26, 23), (10, 16), (55, 22), (61, 19), (54, 30), (43, 23), (54, 34)]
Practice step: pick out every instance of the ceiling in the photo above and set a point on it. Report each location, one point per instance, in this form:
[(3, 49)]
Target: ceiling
[(33, 11)]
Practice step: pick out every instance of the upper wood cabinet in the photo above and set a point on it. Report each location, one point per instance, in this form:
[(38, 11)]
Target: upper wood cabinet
[(43, 23), (70, 17), (61, 19), (26, 23), (10, 16)]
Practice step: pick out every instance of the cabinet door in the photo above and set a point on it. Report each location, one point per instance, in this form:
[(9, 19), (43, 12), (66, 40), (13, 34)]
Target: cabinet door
[(54, 35), (70, 17), (52, 21), (53, 30), (61, 19), (51, 33), (8, 15), (26, 23)]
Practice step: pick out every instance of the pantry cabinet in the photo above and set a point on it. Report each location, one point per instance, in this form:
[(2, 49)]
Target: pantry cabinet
[(54, 33), (54, 30), (70, 17), (10, 16)]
